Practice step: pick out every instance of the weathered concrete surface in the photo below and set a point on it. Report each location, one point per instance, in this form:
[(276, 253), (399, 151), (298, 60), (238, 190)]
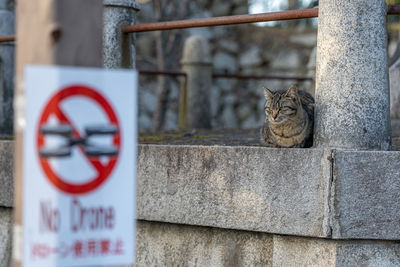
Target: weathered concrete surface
[(366, 195), (368, 253), (6, 173), (250, 188), (352, 87), (284, 191), (5, 236), (162, 244), (298, 251), (314, 252), (119, 49)]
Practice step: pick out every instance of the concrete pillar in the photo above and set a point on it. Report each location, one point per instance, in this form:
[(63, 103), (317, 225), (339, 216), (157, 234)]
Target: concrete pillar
[(394, 77), (119, 49), (352, 87), (6, 70), (197, 65), (311, 65)]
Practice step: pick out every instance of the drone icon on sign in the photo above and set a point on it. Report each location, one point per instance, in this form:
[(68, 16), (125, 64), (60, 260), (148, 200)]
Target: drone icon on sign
[(57, 141), (89, 148)]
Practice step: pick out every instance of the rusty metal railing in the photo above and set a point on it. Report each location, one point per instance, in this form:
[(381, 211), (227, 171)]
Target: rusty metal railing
[(231, 20), (162, 72), (7, 38), (230, 76), (261, 77), (225, 20)]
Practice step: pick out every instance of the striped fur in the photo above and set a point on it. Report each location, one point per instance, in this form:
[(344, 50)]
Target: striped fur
[(289, 118)]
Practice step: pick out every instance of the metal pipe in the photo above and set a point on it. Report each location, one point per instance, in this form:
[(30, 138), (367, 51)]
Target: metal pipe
[(230, 20), (262, 77), (7, 38), (225, 20), (183, 104), (162, 72), (229, 76)]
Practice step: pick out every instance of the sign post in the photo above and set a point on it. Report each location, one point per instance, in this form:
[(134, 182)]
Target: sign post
[(79, 167), (68, 226), (62, 32)]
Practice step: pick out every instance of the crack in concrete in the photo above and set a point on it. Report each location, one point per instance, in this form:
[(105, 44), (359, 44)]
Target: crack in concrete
[(328, 220), (333, 223)]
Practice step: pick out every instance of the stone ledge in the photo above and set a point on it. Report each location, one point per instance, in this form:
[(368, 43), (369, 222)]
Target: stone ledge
[(249, 188), (282, 191), (366, 195)]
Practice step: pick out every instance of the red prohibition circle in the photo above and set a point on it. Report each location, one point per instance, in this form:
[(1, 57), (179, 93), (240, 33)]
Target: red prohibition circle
[(53, 108)]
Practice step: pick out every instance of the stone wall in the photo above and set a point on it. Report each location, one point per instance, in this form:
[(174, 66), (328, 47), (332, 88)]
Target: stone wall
[(246, 49), (161, 244), (6, 68)]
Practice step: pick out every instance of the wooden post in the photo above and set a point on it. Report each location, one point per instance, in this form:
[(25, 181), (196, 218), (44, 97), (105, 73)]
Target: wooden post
[(182, 104), (51, 32)]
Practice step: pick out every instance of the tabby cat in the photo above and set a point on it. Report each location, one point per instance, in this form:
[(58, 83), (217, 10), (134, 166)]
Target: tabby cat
[(289, 118)]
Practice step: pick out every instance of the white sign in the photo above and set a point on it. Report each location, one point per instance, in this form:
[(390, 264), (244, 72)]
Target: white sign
[(79, 167)]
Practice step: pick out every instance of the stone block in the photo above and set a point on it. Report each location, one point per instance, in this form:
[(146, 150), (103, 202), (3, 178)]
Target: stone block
[(251, 57), (148, 100), (314, 252), (366, 196), (298, 251), (165, 244), (221, 8), (6, 173), (162, 244), (224, 62), (5, 236), (305, 39), (368, 253), (250, 188), (228, 46), (286, 59)]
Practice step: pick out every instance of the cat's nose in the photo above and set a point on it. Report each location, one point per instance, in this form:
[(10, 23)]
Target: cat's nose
[(274, 116)]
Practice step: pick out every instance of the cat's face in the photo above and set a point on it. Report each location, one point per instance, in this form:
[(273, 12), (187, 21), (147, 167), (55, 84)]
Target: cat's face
[(281, 107)]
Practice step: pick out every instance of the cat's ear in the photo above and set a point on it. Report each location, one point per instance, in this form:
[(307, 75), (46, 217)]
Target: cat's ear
[(268, 94), (292, 92)]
